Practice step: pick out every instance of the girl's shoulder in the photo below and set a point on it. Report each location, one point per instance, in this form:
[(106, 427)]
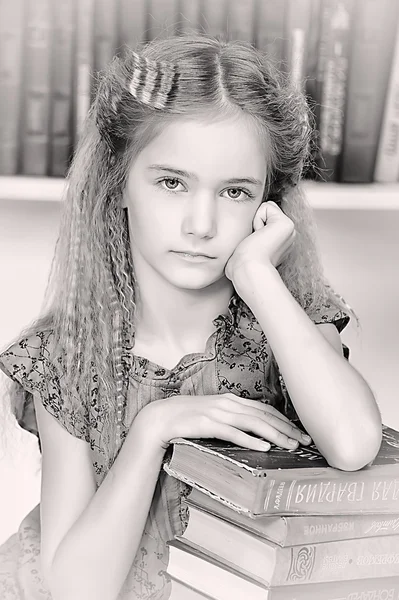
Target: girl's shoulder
[(38, 366)]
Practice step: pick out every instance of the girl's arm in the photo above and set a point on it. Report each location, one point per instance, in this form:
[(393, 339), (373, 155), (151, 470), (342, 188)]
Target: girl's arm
[(334, 402), (89, 537)]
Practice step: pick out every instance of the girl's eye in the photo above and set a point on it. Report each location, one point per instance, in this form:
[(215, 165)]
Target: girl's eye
[(171, 183), (239, 191), (166, 180)]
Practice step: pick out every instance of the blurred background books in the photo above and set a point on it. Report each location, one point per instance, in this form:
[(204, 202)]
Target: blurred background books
[(344, 54)]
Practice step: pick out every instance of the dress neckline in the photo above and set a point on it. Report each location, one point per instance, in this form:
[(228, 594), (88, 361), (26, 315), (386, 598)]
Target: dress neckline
[(225, 324)]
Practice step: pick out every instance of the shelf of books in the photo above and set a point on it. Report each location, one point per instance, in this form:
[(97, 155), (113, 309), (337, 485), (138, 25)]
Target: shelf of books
[(343, 54), (321, 196)]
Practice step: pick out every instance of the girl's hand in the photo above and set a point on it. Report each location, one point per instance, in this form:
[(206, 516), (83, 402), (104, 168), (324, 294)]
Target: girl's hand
[(270, 242), (223, 416)]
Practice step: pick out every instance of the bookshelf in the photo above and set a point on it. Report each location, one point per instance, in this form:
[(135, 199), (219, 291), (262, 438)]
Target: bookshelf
[(321, 196)]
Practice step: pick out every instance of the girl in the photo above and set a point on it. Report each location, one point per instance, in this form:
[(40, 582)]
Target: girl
[(188, 300)]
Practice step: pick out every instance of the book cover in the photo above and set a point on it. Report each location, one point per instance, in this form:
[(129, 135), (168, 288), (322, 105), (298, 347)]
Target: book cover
[(313, 98), (105, 33), (387, 163), (84, 65), (222, 582), (189, 16), (370, 61), (37, 87), (62, 81), (287, 482), (297, 25), (11, 44), (294, 530), (334, 58), (240, 20), (162, 18), (270, 29), (272, 565), (215, 18), (181, 591), (132, 23)]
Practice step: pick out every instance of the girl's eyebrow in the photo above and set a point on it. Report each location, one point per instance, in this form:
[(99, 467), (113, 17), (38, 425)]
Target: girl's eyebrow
[(250, 180)]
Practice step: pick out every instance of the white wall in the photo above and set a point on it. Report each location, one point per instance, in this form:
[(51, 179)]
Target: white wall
[(361, 256)]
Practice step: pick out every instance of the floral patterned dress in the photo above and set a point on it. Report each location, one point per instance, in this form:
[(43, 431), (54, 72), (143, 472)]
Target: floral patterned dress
[(237, 359)]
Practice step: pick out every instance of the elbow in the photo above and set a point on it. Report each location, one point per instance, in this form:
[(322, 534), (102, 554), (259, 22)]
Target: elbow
[(356, 457)]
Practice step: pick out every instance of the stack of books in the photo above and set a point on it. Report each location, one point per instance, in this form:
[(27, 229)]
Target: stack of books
[(284, 525)]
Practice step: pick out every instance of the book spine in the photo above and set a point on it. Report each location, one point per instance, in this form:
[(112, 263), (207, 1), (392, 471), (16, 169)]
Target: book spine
[(337, 23), (270, 28), (348, 494), (132, 23), (370, 61), (297, 28), (37, 87), (11, 44), (105, 33), (189, 16), (387, 163), (215, 18), (335, 561), (163, 16), (382, 588), (84, 64), (313, 43), (315, 530), (240, 20), (61, 97)]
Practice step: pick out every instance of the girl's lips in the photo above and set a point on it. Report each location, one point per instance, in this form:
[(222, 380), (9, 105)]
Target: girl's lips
[(192, 256)]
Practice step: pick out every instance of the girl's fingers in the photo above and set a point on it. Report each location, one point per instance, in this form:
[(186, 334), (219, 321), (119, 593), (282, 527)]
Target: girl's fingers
[(272, 416), (261, 427), (240, 438)]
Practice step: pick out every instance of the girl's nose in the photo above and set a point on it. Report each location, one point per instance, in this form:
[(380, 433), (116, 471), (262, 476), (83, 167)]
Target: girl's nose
[(200, 215)]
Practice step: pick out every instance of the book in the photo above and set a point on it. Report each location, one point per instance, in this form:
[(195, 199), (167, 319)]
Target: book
[(297, 25), (181, 591), (336, 27), (240, 20), (162, 18), (222, 582), (270, 29), (84, 65), (132, 23), (11, 45), (105, 33), (288, 531), (370, 64), (287, 482), (387, 162), (189, 15), (62, 82), (37, 87), (214, 15), (272, 565)]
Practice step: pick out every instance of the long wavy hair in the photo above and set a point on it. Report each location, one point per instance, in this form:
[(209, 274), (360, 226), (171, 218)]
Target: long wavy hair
[(90, 298)]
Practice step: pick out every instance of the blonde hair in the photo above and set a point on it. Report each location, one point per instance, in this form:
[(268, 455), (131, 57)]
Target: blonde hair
[(91, 295)]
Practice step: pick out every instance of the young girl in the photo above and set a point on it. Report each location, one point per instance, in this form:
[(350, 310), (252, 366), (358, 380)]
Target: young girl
[(187, 300)]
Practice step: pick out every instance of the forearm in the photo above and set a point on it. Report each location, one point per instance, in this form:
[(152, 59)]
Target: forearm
[(333, 401), (97, 553)]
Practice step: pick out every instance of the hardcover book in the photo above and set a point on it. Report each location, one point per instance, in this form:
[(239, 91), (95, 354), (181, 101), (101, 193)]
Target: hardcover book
[(288, 531), (271, 565), (220, 581), (287, 482), (370, 63), (11, 45)]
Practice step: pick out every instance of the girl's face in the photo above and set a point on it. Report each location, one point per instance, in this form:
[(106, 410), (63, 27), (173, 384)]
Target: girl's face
[(194, 189)]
